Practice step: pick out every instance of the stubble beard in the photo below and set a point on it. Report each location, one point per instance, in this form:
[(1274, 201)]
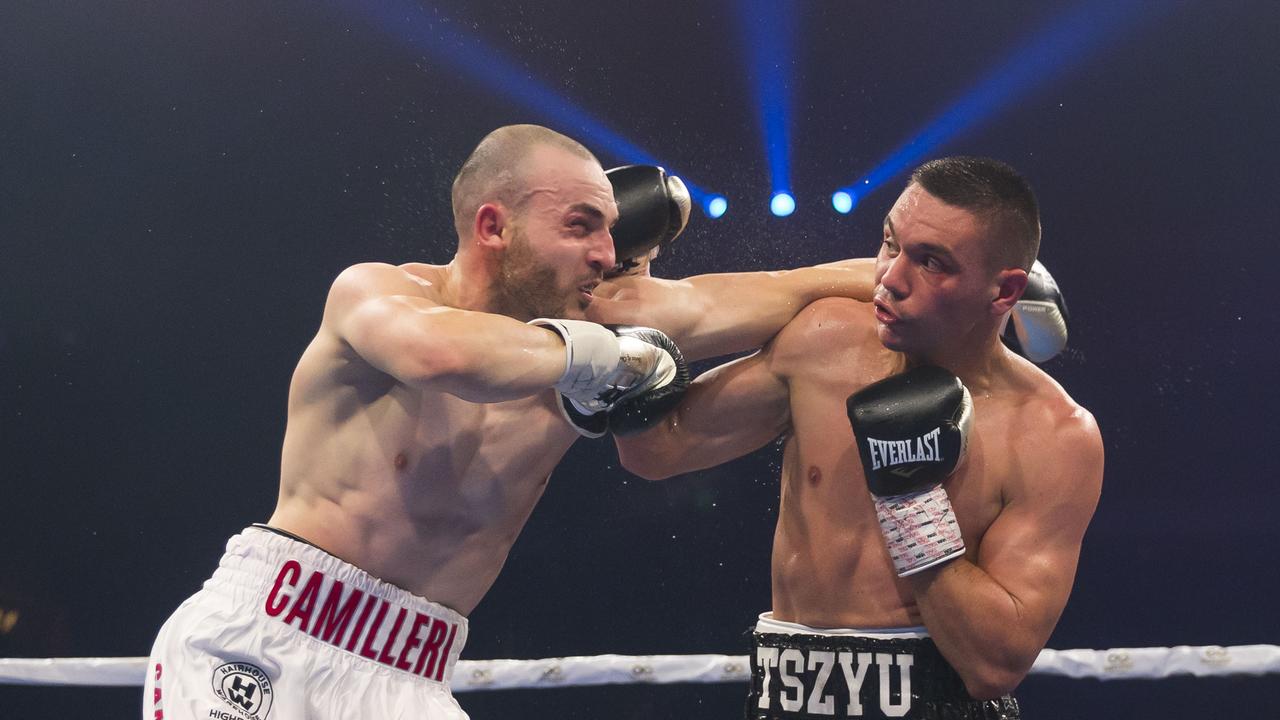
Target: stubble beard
[(526, 285)]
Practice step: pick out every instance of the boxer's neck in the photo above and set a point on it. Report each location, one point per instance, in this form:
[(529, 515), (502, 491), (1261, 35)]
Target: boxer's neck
[(468, 284), (980, 360)]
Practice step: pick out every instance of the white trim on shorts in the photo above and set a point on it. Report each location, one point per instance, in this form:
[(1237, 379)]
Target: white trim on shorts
[(768, 624)]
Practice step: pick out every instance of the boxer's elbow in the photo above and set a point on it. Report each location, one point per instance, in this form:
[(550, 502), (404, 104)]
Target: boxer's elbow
[(989, 687), (643, 464), (992, 680), (646, 454)]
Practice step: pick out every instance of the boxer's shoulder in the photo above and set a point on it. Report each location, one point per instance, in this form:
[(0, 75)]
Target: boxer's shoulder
[(1048, 428), (377, 275), (1043, 403), (825, 329), (365, 281)]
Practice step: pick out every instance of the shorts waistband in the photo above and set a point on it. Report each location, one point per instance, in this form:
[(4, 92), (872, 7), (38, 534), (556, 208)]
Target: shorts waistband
[(845, 673), (767, 623), (309, 591)]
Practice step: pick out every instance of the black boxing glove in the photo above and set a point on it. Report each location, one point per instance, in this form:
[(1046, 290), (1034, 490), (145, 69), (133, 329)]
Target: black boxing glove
[(1037, 327), (911, 431), (653, 208), (592, 425)]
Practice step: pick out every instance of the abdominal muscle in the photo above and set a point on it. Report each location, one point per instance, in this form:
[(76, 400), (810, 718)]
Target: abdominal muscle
[(830, 567), (422, 490)]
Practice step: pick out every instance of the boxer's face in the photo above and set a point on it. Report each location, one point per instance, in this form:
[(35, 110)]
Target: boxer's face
[(560, 246), (933, 283)]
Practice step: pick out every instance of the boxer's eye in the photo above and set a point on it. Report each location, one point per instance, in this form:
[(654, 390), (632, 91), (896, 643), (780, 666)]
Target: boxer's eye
[(933, 264)]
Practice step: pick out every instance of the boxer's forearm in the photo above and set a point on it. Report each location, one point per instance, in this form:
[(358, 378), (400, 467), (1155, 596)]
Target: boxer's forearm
[(987, 634), (745, 310), (992, 611), (728, 412), (724, 313)]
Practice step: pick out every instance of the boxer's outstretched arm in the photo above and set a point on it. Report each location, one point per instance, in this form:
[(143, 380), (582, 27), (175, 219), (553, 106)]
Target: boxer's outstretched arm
[(723, 313), (377, 311), (727, 412), (991, 614)]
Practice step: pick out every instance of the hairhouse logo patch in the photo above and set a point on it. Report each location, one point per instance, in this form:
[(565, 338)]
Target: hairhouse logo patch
[(246, 688), (888, 453)]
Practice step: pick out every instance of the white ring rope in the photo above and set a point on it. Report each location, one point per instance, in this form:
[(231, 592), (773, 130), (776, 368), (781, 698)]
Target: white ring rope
[(1115, 664)]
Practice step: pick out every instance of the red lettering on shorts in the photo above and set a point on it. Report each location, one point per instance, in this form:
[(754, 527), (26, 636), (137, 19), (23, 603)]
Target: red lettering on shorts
[(306, 601), (158, 713), (364, 616), (385, 657), (367, 649), (326, 613), (444, 655), (289, 567), (431, 649), (331, 624), (413, 641)]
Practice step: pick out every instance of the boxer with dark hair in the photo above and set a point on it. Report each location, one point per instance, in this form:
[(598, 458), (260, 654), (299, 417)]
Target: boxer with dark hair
[(936, 486)]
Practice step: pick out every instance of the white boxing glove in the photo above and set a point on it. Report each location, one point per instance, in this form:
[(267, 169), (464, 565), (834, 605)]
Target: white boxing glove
[(606, 365), (1036, 328)]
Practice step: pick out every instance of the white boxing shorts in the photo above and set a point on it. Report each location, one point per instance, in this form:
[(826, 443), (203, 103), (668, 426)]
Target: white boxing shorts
[(284, 631)]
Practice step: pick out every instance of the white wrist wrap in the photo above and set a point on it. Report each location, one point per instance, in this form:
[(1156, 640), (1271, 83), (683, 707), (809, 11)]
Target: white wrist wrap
[(920, 530), (591, 356)]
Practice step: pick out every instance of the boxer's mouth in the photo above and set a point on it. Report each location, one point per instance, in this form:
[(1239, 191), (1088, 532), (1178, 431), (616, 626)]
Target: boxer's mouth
[(884, 314)]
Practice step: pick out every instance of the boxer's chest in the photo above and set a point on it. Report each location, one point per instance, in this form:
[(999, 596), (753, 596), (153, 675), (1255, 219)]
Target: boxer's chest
[(511, 440), (824, 469)]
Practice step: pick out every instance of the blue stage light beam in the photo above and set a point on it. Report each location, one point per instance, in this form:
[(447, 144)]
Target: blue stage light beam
[(1064, 42), (420, 31), (769, 27)]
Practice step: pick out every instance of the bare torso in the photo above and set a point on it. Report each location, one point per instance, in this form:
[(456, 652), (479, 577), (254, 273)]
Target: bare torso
[(830, 568), (419, 488)]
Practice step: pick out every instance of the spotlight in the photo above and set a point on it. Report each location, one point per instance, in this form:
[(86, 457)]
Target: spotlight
[(1064, 42), (425, 32), (716, 206), (770, 32), (843, 201), (782, 204)]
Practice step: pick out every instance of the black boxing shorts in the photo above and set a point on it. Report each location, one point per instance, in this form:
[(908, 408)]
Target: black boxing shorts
[(803, 672)]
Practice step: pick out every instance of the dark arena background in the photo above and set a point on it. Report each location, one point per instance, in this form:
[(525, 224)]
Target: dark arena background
[(181, 181)]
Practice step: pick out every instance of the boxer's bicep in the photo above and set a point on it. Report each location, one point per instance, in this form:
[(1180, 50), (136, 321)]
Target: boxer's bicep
[(477, 356), (728, 412), (405, 337), (1033, 547)]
